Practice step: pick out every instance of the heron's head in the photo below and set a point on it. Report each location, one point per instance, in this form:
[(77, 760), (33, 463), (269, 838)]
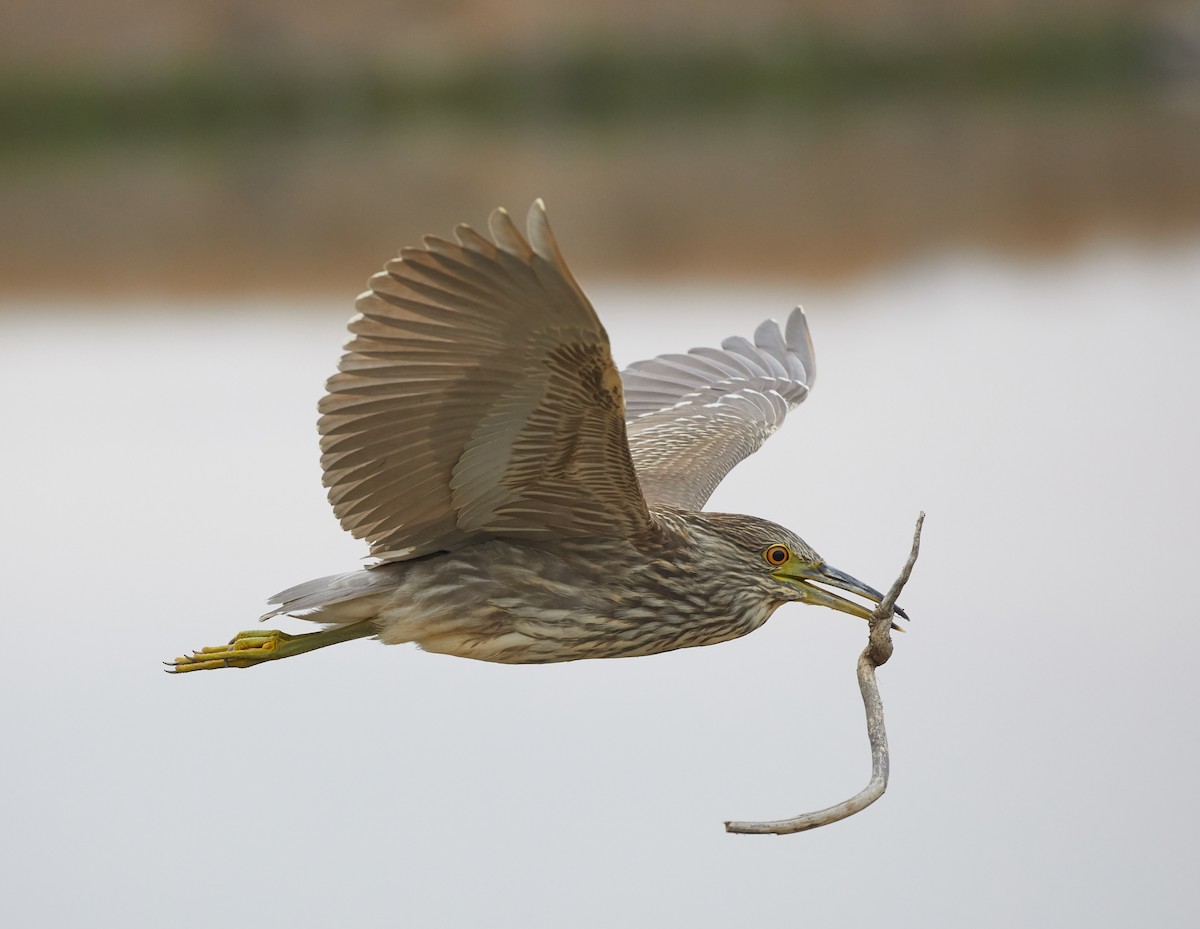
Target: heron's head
[(786, 568)]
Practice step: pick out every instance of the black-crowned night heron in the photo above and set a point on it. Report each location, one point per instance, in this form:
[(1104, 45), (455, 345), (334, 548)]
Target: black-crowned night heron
[(526, 502)]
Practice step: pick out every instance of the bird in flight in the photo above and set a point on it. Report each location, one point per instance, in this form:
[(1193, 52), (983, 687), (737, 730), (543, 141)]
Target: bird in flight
[(523, 500)]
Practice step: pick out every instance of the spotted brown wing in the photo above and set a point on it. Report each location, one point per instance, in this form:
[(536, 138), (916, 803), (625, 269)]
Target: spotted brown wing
[(477, 398)]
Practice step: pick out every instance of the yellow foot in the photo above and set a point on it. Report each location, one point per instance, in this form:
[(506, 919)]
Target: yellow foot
[(258, 645), (244, 650)]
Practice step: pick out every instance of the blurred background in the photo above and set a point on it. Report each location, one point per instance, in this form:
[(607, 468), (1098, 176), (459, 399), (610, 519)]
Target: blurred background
[(267, 146), (991, 212)]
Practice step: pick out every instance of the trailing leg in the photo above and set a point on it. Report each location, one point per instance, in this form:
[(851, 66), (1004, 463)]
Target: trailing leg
[(247, 649)]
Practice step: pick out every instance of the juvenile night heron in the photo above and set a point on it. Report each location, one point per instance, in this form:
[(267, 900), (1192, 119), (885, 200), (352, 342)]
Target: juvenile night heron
[(524, 501)]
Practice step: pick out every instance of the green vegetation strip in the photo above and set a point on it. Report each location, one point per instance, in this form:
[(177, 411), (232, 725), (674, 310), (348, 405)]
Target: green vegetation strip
[(593, 83)]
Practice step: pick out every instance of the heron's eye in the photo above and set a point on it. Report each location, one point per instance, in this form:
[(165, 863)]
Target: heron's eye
[(777, 555)]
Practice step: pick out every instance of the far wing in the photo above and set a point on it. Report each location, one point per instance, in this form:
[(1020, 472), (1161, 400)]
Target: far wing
[(691, 418)]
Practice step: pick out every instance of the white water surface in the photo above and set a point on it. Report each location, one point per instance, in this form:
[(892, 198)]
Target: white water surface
[(160, 479)]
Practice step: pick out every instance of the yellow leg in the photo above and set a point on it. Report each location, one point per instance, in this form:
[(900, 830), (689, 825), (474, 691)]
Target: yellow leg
[(247, 649)]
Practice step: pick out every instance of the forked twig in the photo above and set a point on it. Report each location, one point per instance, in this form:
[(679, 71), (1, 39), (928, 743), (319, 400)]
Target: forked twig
[(877, 652)]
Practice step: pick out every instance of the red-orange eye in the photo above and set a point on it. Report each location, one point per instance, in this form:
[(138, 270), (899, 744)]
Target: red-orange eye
[(777, 555)]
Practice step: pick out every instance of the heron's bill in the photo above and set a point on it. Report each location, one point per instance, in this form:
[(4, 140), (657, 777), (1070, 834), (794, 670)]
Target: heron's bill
[(808, 577)]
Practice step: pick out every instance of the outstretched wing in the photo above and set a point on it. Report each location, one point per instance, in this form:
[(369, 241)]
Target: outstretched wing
[(477, 398), (692, 417)]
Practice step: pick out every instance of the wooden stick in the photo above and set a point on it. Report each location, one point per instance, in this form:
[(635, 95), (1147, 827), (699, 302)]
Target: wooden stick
[(877, 652)]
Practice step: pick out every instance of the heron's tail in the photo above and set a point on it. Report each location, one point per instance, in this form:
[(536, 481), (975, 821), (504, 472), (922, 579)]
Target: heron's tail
[(338, 598)]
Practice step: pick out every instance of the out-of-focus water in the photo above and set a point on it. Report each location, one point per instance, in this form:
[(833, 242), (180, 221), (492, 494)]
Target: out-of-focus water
[(161, 478)]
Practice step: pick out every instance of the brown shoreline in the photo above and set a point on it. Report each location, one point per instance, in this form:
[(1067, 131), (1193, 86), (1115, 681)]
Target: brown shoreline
[(770, 196)]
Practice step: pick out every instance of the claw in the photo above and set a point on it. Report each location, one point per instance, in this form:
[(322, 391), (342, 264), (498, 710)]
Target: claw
[(247, 649), (242, 651)]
